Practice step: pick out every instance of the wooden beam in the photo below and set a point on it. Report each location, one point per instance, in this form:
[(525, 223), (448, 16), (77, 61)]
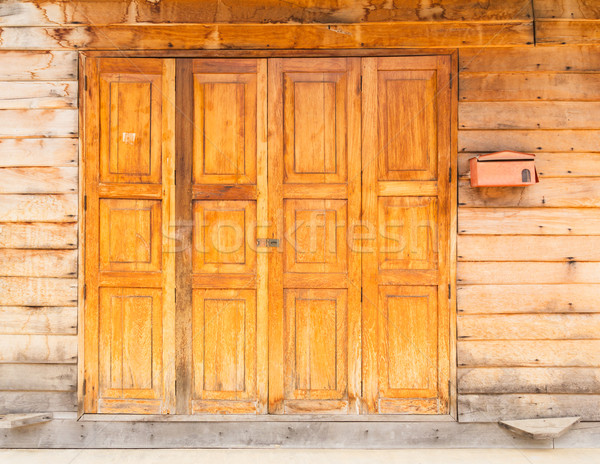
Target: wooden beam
[(426, 34), (577, 32), (13, 421)]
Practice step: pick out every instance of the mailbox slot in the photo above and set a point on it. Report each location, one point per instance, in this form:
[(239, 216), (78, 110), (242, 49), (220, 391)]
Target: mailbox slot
[(503, 169)]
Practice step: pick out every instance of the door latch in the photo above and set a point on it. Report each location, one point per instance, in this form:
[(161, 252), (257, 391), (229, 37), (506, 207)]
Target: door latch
[(267, 242)]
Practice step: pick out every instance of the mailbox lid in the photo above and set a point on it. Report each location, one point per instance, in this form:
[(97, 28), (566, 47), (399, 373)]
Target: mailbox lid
[(503, 169)]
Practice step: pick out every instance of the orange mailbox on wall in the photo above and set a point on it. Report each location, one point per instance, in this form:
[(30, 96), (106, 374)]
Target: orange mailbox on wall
[(503, 169)]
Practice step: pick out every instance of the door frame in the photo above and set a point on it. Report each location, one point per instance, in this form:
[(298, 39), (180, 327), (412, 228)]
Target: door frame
[(288, 53)]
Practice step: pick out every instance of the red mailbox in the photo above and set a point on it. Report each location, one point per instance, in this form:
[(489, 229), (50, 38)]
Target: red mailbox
[(503, 169)]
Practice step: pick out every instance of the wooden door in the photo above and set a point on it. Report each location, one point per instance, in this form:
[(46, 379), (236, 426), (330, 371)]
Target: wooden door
[(314, 206), (221, 211), (406, 211), (129, 263)]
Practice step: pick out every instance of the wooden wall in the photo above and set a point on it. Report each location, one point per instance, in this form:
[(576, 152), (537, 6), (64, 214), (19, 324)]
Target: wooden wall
[(529, 258), (38, 231)]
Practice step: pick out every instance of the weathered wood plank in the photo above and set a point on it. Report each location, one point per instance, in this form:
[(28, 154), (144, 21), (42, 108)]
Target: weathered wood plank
[(12, 421), (36, 123), (31, 291), (38, 235), (526, 221), (38, 348), (528, 326), (38, 377), (528, 115), (563, 298), (541, 429), (586, 435), (492, 408), (528, 140), (554, 192), (38, 180), (30, 208), (492, 380), (38, 152), (29, 320), (527, 273), (529, 353), (560, 32), (575, 59), (38, 263), (38, 65), (566, 9), (16, 402), (26, 13), (544, 86), (528, 248), (551, 164), (38, 95), (277, 36)]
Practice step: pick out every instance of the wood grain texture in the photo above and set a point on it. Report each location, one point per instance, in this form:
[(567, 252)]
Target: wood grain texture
[(57, 320), (529, 86), (36, 123), (561, 32), (539, 298), (38, 95), (41, 65), (36, 291), (528, 273), (45, 208), (18, 401), (38, 235), (493, 380), (529, 353), (492, 408), (566, 9), (490, 60), (38, 180), (254, 36), (26, 13), (38, 263), (528, 115), (555, 192), (528, 248), (529, 327), (38, 348), (38, 377), (529, 141), (529, 221), (38, 152)]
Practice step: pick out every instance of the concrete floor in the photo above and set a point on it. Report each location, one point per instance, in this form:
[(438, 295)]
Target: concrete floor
[(428, 456)]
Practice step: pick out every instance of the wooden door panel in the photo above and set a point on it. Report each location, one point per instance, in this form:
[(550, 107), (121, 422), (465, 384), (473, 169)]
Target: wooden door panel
[(222, 321), (314, 197), (406, 203), (129, 260)]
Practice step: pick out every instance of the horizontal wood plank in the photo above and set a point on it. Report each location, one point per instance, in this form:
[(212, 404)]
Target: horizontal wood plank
[(555, 192), (551, 164), (527, 273), (38, 235), (38, 123), (494, 380), (528, 327), (44, 65), (529, 353), (566, 9), (34, 95), (261, 11), (38, 152), (38, 180), (562, 298), (530, 86), (38, 263), (30, 320), (277, 36), (528, 248), (42, 208), (527, 221), (38, 377), (573, 59), (492, 408), (32, 291), (528, 140), (38, 348), (560, 32), (528, 115), (16, 401)]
